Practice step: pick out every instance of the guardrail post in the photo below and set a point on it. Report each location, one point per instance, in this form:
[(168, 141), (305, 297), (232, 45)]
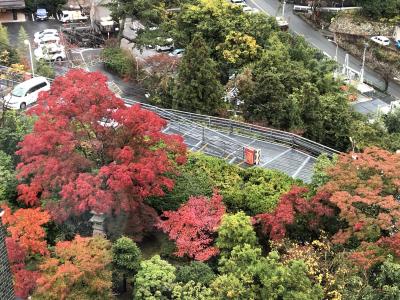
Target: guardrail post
[(209, 121), (202, 136), (230, 127)]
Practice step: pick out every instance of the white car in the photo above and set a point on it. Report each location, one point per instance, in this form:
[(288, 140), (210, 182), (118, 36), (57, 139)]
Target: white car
[(177, 53), (381, 40), (247, 9), (167, 46), (26, 93), (47, 32), (50, 53), (48, 39)]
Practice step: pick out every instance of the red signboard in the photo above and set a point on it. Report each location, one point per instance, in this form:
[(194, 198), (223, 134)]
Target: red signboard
[(249, 155)]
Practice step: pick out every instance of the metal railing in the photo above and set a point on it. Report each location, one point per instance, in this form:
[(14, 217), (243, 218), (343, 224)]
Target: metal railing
[(207, 126), (231, 126), (272, 135)]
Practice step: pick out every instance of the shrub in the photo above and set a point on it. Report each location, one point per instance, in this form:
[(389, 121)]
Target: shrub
[(119, 61), (197, 271), (45, 69)]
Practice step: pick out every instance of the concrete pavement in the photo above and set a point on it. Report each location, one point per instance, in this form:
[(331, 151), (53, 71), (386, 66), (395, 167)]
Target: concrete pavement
[(317, 40)]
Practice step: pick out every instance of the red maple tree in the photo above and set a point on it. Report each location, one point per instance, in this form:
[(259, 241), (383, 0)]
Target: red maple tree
[(193, 226), (291, 205), (364, 187), (88, 151)]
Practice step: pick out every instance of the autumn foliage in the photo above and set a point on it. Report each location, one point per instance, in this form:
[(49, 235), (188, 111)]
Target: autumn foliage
[(292, 205), (193, 226), (80, 269), (27, 237), (364, 190), (88, 151)]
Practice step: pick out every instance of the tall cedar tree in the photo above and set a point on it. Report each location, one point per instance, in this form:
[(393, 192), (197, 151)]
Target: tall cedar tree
[(193, 226), (198, 88), (88, 151)]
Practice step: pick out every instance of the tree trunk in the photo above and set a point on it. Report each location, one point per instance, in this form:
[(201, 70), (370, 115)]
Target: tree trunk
[(121, 29)]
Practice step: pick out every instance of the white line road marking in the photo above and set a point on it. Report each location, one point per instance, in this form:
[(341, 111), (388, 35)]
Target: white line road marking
[(301, 167), (276, 157)]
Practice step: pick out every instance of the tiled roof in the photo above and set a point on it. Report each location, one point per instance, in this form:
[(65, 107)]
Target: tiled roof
[(10, 4)]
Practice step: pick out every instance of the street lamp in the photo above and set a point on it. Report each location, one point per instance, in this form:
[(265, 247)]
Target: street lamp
[(28, 43), (363, 63)]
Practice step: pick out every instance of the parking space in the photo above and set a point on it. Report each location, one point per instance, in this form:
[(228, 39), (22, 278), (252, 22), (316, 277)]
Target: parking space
[(75, 57), (30, 27)]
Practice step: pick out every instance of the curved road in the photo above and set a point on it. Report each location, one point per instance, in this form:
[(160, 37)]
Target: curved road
[(316, 39)]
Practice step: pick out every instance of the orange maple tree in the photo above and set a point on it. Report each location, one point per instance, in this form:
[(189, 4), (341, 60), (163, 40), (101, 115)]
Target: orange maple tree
[(27, 237), (79, 269), (365, 187)]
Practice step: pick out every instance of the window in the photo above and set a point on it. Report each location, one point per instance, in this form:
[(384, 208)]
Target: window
[(37, 87)]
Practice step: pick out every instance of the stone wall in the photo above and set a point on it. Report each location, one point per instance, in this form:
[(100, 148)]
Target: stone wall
[(358, 26)]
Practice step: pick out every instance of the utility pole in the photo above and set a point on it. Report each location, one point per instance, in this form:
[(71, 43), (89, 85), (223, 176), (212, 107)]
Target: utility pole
[(363, 63)]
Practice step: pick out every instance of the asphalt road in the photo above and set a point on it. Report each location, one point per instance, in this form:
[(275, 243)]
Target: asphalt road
[(316, 39)]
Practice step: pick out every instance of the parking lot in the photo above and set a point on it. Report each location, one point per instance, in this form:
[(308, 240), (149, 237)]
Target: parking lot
[(76, 57)]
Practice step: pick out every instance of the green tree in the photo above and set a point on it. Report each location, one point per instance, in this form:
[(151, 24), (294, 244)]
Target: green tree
[(337, 121), (275, 76), (8, 181), (187, 183), (235, 230), (246, 274), (192, 291), (21, 47), (380, 9), (122, 9), (196, 271), (392, 121), (4, 41), (155, 280), (197, 87), (238, 49), (43, 68), (307, 98), (387, 282), (14, 125), (126, 259), (279, 281), (259, 190), (320, 175), (8, 55)]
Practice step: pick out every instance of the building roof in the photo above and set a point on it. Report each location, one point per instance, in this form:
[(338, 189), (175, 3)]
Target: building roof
[(12, 4)]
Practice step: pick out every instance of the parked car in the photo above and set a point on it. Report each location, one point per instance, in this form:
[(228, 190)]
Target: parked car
[(40, 34), (165, 44), (45, 34), (41, 14), (381, 40), (50, 53), (177, 53), (72, 16), (398, 44), (247, 9), (26, 93), (47, 40)]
